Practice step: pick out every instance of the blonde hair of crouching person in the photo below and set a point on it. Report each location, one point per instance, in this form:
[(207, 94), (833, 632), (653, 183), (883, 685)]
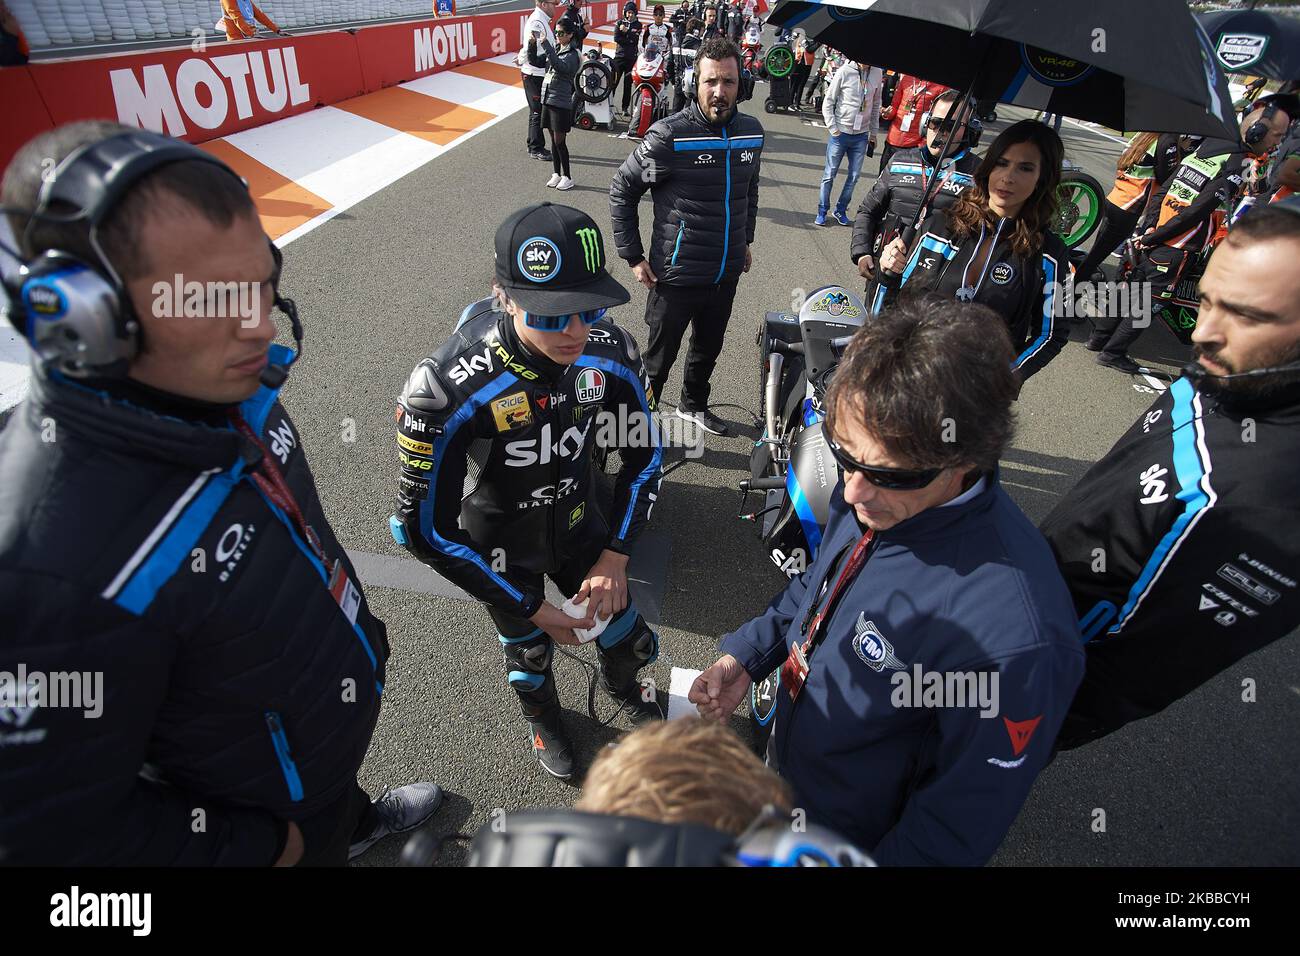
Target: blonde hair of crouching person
[(684, 771)]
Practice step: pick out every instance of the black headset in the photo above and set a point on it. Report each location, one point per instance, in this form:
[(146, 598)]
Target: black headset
[(77, 315), (1257, 130)]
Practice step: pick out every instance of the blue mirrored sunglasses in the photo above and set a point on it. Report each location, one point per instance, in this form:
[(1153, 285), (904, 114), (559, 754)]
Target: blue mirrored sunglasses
[(558, 323)]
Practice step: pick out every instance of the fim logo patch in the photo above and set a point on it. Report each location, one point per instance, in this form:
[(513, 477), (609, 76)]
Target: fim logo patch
[(539, 259), (590, 240), (873, 648), (512, 411), (591, 386)]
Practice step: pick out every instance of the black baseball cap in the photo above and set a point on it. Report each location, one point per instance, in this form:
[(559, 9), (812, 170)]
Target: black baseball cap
[(551, 260)]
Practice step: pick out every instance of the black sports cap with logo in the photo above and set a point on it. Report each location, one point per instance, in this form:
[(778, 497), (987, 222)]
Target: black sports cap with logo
[(550, 259)]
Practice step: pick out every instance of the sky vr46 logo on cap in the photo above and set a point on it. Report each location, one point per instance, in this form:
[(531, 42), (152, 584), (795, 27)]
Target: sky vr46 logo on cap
[(590, 240), (539, 259)]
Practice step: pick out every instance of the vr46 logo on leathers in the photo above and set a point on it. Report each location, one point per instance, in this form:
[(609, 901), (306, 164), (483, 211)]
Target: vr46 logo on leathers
[(541, 450)]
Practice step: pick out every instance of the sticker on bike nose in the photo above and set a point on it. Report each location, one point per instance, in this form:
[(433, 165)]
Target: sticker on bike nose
[(539, 259), (1002, 273)]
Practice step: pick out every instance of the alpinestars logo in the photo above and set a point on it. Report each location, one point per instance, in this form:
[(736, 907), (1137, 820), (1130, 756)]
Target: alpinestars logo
[(590, 240)]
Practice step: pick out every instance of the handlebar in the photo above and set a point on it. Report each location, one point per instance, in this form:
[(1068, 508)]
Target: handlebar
[(798, 348)]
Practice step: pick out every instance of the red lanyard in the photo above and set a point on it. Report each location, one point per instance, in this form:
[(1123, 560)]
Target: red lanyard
[(851, 568), (271, 482)]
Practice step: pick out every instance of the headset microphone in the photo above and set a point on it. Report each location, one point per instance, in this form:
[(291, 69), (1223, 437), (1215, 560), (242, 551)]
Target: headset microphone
[(1198, 372)]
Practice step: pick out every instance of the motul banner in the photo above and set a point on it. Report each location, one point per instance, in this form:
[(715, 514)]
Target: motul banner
[(199, 96), (204, 94)]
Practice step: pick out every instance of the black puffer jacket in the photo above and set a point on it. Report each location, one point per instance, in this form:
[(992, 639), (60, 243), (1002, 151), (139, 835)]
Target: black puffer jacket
[(896, 195), (562, 66), (704, 180), (138, 546)]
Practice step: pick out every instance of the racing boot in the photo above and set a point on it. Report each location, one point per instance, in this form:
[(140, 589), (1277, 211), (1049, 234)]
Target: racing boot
[(625, 647), (528, 667)]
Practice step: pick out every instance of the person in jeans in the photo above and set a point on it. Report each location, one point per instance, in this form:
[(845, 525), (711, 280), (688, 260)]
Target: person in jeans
[(851, 110), (539, 21), (558, 92), (702, 167)]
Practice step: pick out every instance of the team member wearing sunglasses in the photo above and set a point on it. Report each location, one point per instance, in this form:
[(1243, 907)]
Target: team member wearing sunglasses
[(497, 486), (896, 194), (929, 583)]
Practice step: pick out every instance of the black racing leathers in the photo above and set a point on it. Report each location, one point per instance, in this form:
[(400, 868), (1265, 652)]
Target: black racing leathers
[(896, 195), (1181, 549), (236, 691), (1024, 290), (495, 447)]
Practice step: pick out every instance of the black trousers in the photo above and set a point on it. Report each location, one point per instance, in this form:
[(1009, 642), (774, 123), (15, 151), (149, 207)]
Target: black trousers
[(327, 835), (1161, 267), (706, 309), (533, 91), (885, 153), (798, 78), (1117, 226)]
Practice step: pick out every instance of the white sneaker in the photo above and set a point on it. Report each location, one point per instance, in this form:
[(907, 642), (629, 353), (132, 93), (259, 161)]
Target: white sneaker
[(554, 180), (564, 183)]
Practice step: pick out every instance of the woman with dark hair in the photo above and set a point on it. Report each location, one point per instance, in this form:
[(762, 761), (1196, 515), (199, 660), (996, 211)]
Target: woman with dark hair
[(559, 93), (994, 245), (1147, 164)]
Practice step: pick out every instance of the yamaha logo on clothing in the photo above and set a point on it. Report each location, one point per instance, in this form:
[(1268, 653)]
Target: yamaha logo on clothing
[(591, 386), (539, 259), (873, 648), (1002, 273)]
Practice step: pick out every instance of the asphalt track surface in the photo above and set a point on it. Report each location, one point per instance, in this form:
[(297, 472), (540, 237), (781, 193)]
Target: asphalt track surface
[(1212, 781)]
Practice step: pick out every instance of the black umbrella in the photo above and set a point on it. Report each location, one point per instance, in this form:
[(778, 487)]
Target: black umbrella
[(1127, 64), (1255, 42)]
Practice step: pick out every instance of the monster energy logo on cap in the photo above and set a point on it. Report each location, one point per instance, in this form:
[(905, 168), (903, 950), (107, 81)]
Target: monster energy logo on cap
[(590, 239)]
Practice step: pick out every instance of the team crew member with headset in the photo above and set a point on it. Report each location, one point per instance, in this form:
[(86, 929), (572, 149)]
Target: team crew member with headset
[(1209, 178), (1196, 504), (896, 194), (995, 245), (1142, 170), (159, 525), (509, 408)]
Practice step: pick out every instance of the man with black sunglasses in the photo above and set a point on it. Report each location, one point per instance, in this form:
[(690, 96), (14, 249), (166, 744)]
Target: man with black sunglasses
[(928, 655), (896, 194), (497, 486)]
